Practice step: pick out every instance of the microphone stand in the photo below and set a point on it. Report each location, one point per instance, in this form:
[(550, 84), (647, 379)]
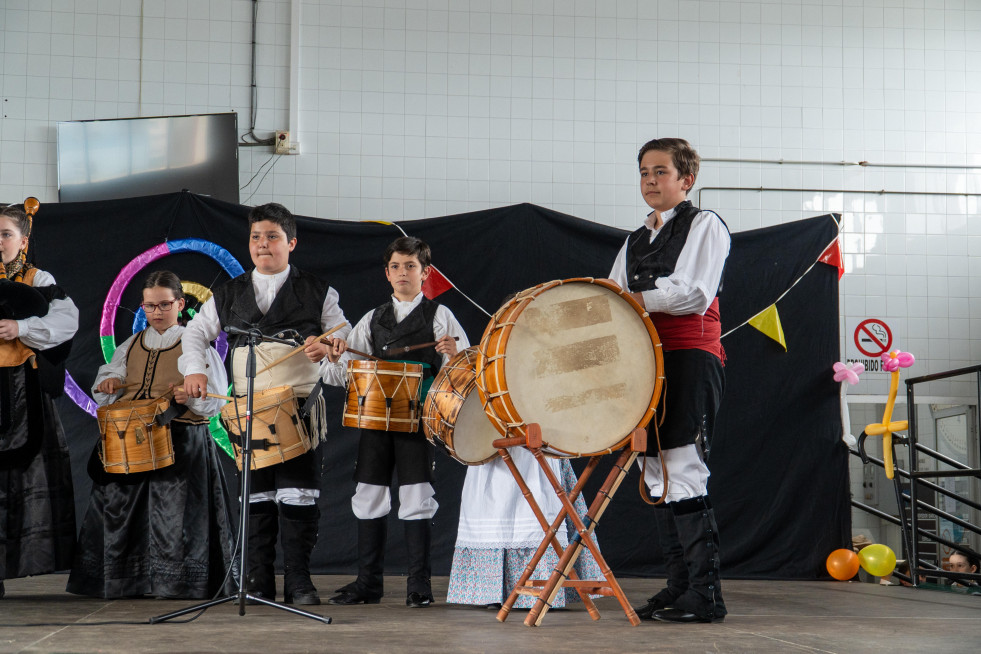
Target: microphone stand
[(252, 337)]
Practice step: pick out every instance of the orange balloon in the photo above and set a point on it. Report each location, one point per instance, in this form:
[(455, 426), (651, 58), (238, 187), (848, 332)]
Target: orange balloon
[(843, 564)]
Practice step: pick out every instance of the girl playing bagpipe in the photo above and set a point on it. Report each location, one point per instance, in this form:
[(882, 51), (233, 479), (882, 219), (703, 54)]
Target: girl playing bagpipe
[(37, 322)]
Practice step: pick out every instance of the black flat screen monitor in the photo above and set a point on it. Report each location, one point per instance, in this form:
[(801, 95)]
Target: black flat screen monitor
[(130, 157)]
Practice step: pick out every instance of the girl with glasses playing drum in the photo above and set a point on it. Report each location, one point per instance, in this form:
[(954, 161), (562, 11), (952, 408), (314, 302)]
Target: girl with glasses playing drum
[(164, 531)]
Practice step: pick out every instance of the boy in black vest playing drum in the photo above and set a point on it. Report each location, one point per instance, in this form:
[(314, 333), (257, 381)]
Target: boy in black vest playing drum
[(407, 318), (276, 299), (673, 266)]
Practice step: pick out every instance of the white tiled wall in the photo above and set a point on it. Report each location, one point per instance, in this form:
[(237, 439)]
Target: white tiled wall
[(418, 108)]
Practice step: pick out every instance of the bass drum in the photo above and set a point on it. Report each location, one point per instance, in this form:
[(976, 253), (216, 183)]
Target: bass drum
[(580, 357)]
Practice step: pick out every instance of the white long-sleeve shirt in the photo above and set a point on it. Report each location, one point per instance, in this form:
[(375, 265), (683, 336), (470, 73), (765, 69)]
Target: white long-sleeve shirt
[(59, 325), (206, 324), (217, 380), (444, 323), (694, 283)]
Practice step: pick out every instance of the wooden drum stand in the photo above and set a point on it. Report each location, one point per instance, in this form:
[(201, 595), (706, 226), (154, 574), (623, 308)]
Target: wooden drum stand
[(563, 575)]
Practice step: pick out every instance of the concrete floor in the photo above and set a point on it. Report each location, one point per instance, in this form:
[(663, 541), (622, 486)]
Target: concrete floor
[(765, 616)]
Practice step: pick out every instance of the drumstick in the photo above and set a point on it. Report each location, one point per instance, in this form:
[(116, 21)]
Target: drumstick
[(409, 348), (131, 384), (363, 354), (300, 348), (220, 397)]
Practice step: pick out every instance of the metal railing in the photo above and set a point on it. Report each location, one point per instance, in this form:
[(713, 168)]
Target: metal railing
[(909, 504)]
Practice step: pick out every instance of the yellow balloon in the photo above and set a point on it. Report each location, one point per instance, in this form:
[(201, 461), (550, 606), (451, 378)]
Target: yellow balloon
[(877, 560)]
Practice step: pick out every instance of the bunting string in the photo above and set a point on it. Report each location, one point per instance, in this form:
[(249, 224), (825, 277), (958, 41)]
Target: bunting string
[(763, 320), (796, 281), (435, 270)]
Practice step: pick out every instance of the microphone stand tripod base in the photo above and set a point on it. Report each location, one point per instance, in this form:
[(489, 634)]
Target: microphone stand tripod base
[(252, 337)]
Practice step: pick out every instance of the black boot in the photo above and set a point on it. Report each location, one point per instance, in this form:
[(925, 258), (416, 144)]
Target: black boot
[(699, 535), (418, 542), (299, 525), (369, 587), (674, 564), (263, 532)]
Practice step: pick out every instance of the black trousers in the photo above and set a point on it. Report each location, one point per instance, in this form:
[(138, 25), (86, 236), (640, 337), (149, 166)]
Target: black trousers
[(695, 383), (380, 453)]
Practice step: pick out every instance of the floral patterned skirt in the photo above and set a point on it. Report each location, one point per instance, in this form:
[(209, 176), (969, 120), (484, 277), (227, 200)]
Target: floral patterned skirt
[(487, 575)]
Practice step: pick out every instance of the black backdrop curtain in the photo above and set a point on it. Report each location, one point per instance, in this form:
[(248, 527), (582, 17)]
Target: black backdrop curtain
[(779, 468)]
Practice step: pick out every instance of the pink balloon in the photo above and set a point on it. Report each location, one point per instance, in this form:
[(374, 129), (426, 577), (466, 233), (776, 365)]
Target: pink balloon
[(893, 361), (849, 373)]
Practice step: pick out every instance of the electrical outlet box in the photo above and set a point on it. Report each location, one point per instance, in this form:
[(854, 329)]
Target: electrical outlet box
[(282, 142)]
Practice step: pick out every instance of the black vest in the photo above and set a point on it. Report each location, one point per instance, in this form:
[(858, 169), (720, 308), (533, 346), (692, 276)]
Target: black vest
[(298, 305), (417, 327), (648, 261)]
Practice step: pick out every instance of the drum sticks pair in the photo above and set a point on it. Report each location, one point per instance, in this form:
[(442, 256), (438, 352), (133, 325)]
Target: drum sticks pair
[(299, 348), (396, 350), (322, 337)]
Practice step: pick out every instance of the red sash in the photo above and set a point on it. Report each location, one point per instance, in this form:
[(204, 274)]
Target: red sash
[(691, 331)]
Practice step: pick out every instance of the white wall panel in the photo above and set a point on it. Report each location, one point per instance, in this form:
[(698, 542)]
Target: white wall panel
[(415, 108)]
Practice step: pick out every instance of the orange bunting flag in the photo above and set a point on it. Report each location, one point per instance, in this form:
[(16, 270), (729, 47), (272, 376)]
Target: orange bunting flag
[(435, 284), (768, 322), (832, 257)]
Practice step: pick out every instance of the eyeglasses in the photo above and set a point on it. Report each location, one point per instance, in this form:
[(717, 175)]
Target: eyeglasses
[(163, 306)]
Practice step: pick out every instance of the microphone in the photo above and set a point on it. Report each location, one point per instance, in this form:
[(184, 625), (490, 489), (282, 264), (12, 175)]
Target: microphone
[(236, 331), (254, 334)]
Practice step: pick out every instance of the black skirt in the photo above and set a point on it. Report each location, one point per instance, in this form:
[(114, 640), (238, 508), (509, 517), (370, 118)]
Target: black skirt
[(165, 533), (37, 503)]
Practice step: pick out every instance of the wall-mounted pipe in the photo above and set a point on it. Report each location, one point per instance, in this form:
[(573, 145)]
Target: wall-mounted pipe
[(864, 164), (293, 123), (761, 189)]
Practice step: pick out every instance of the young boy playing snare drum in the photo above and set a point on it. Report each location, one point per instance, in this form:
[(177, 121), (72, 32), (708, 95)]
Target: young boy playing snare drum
[(276, 299), (407, 318)]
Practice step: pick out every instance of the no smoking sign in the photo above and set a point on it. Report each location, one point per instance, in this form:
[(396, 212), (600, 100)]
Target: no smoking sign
[(873, 337), (868, 340)]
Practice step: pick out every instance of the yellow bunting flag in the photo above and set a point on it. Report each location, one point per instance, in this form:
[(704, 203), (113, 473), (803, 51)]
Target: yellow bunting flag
[(768, 322)]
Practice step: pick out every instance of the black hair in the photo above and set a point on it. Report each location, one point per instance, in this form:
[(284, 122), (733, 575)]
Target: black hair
[(409, 246), (274, 213), (165, 279), (972, 560)]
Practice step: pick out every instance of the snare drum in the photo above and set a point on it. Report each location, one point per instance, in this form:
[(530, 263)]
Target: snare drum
[(579, 357), (453, 415), (383, 395), (132, 441), (278, 432)]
